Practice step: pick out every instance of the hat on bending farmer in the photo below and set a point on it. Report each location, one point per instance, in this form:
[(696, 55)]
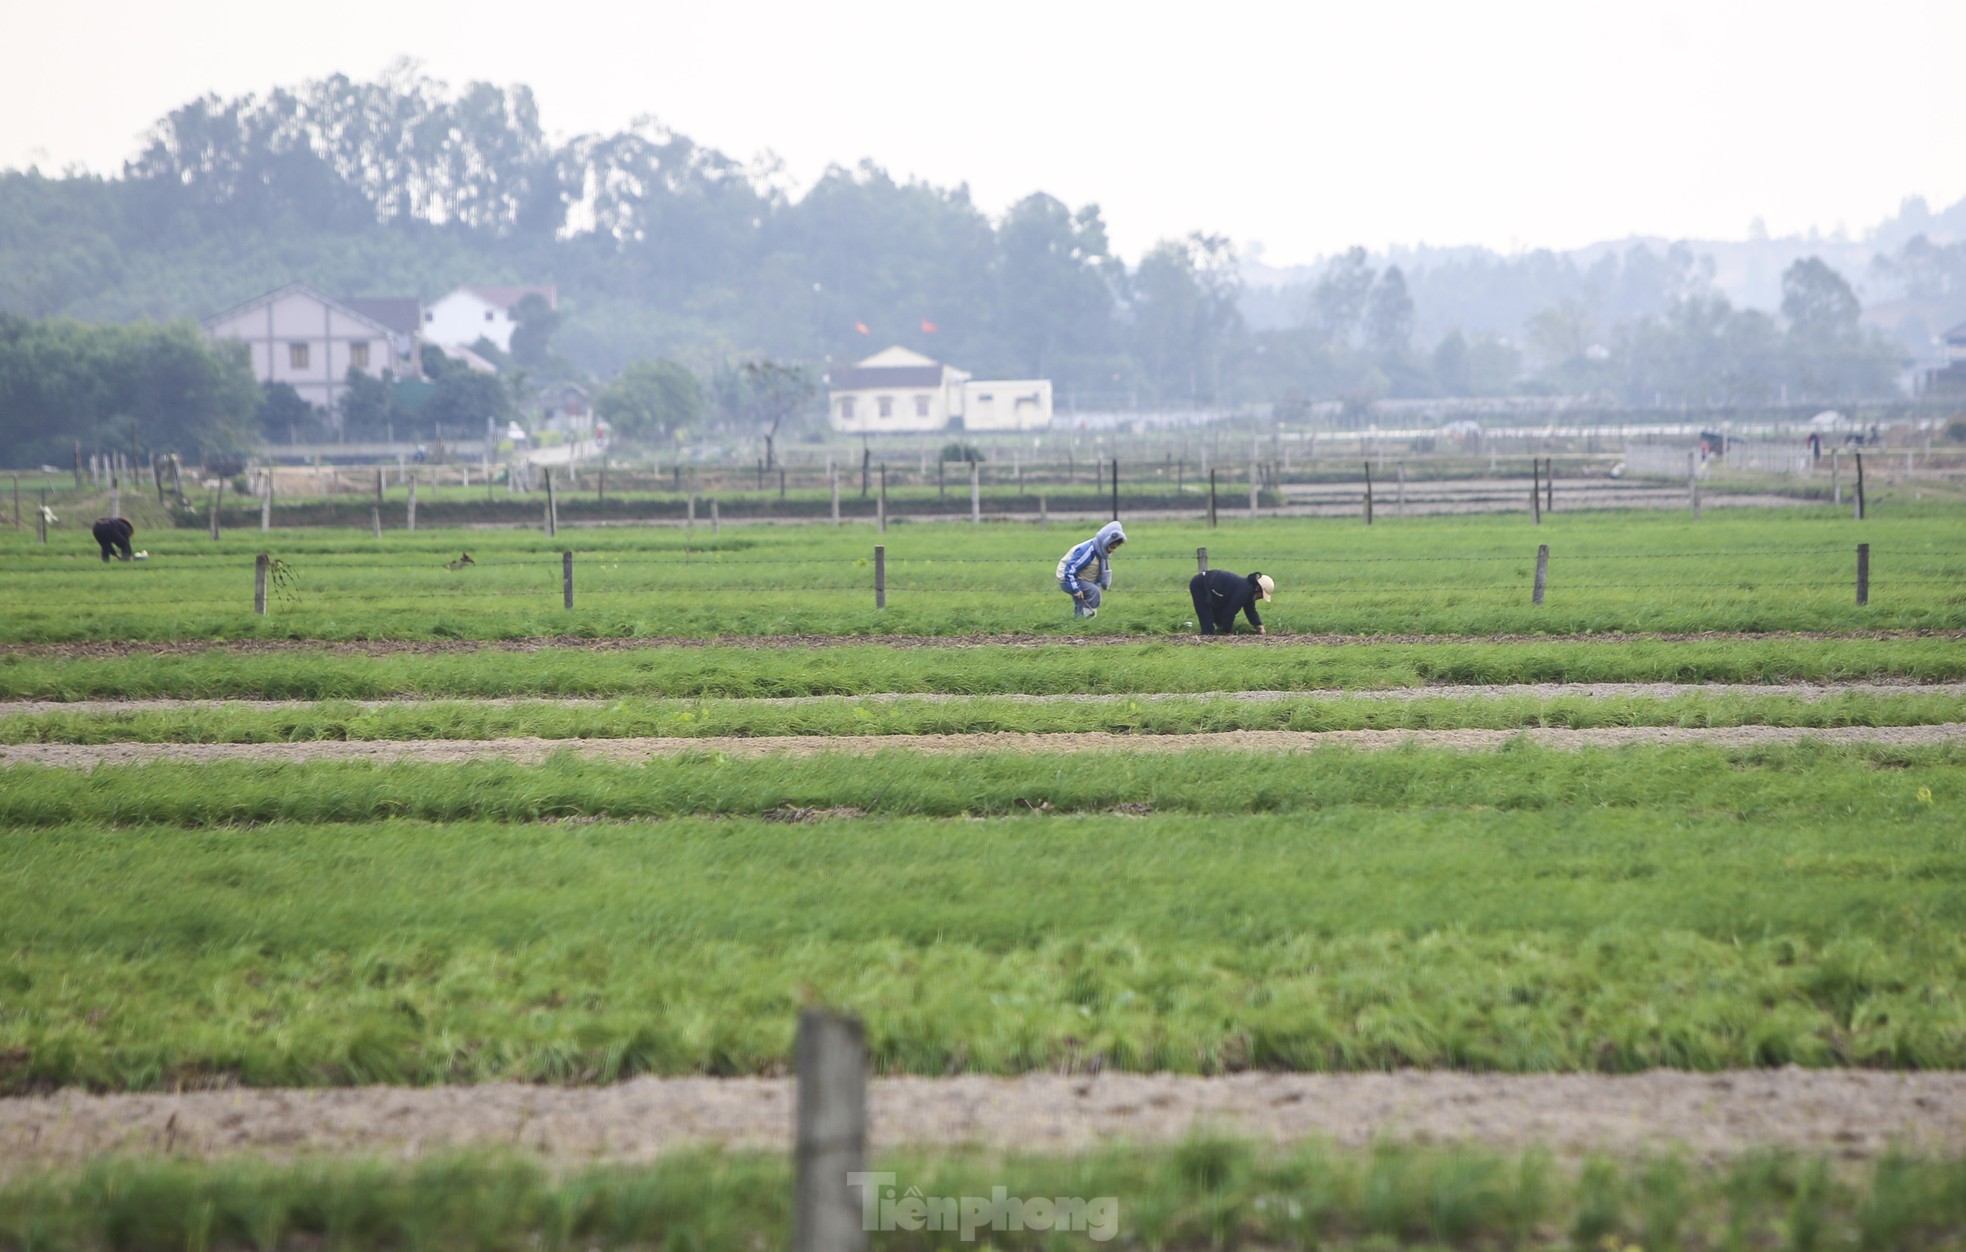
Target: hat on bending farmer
[(1266, 584)]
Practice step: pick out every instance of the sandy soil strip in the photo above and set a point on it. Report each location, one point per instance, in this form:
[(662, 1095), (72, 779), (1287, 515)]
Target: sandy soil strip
[(1807, 692), (575, 643), (1850, 1113), (530, 750)]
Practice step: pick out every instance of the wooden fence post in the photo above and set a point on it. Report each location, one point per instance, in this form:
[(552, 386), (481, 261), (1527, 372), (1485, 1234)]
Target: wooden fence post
[(552, 506), (1836, 476), (1116, 489), (259, 584), (1549, 484), (833, 472), (41, 518), (266, 502), (409, 519), (375, 519), (1201, 560), (1368, 493), (880, 506), (1860, 486), (17, 519), (566, 577), (1863, 573), (829, 1165), (1211, 499), (880, 576), (975, 493), (1542, 571), (1536, 490), (716, 517), (216, 497)]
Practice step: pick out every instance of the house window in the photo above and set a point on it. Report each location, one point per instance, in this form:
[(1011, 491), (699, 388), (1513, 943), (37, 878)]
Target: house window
[(297, 355), (846, 409), (887, 406), (921, 406), (358, 355), (489, 314)]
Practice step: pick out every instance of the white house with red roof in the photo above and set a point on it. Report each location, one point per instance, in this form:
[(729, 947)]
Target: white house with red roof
[(472, 313)]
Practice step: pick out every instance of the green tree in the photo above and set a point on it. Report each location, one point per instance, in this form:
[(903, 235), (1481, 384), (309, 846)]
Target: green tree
[(1389, 317), (532, 338), (651, 400), (776, 392), (463, 399), (1817, 302), (368, 405), (283, 416)]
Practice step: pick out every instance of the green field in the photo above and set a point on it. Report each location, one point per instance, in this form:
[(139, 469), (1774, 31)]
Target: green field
[(1744, 571), (1202, 1194), (1524, 909)]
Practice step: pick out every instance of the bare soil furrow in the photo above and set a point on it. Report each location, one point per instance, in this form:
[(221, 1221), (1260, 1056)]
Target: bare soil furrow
[(1808, 692), (1847, 1113), (393, 647), (533, 750)]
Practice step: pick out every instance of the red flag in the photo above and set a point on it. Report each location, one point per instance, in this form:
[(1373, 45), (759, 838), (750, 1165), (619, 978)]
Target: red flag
[(862, 328), (928, 327)]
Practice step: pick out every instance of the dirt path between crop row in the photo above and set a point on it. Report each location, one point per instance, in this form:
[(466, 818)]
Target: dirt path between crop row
[(1848, 1113), (531, 750), (100, 650), (1806, 692)]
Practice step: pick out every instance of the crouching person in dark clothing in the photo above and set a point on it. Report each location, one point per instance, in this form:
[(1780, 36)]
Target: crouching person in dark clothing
[(113, 535), (1220, 595)]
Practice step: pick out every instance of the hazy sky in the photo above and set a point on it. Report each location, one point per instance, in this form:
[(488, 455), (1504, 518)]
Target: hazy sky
[(1304, 127)]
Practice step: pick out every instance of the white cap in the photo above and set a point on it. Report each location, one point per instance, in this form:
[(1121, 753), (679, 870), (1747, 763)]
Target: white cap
[(1264, 581)]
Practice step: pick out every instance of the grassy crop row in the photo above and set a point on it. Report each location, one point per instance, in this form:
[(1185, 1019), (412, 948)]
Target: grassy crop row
[(849, 669), (1749, 571), (1146, 715), (1849, 783), (1205, 1193), (1521, 911)]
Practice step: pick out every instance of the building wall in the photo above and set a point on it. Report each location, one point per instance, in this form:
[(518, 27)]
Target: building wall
[(298, 340), (911, 410), (463, 317), (1007, 404)]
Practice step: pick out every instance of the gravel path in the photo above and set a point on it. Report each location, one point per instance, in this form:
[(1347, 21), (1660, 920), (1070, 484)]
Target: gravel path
[(531, 750), (1808, 692), (1850, 1113)]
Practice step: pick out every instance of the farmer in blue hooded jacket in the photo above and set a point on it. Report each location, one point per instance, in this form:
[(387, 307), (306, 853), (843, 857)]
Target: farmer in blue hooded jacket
[(1087, 569)]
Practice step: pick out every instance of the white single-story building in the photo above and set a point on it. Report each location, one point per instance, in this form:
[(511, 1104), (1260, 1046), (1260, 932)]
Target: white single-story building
[(300, 336), (471, 313), (901, 392)]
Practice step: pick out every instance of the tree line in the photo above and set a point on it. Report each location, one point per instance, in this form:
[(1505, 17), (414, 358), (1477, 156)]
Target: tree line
[(664, 250)]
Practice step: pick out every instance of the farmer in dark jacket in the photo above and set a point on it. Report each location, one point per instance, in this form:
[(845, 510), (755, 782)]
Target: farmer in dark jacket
[(113, 535), (1220, 595)]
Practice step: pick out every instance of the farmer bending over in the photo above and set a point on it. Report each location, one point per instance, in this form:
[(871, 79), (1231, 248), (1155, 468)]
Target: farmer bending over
[(1220, 595), (113, 535), (1088, 569)]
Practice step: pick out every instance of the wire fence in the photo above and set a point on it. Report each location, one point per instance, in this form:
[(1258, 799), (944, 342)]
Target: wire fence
[(880, 578)]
